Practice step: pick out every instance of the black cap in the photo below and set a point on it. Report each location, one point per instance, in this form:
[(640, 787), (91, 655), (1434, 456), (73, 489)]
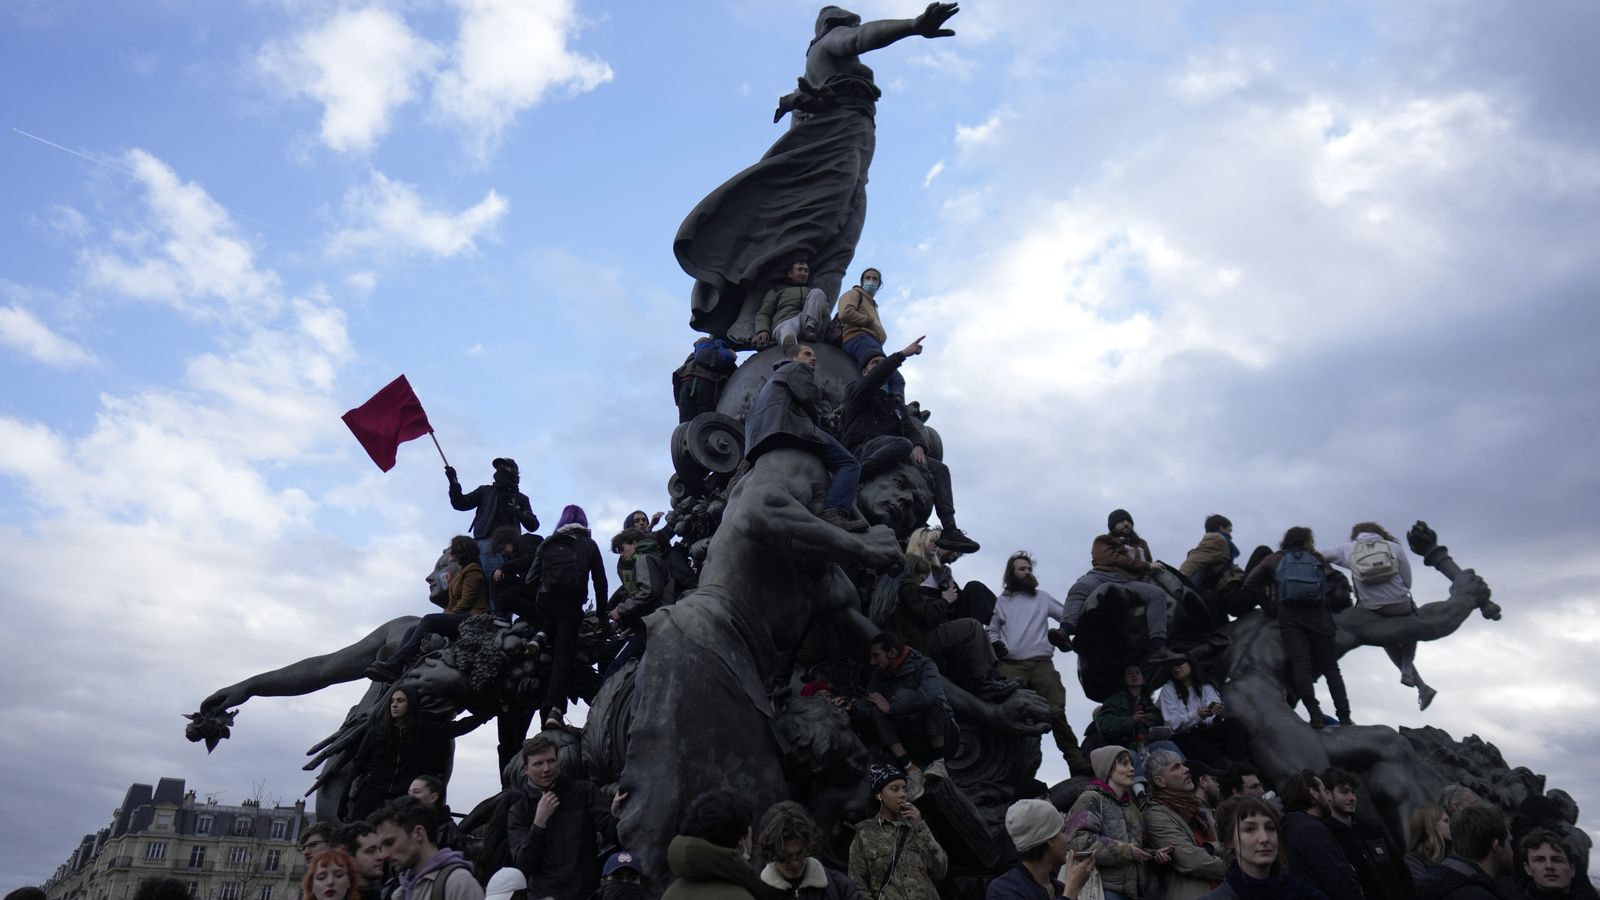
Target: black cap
[(1117, 515)]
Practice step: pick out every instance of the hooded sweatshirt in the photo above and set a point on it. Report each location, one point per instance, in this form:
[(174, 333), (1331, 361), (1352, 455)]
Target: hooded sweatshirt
[(460, 886), (1385, 593), (707, 871)]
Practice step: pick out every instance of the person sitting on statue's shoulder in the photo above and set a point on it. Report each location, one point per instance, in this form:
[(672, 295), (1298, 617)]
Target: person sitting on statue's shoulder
[(1213, 569), (646, 587), (877, 428), (785, 414), (861, 329), (906, 692), (1122, 557), (792, 311)]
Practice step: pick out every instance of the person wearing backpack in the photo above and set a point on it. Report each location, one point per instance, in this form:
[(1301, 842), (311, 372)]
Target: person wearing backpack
[(697, 384), (1381, 572), (1294, 581), (404, 830), (565, 561), (647, 586)]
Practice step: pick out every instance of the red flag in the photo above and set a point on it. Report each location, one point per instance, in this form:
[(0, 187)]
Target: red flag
[(393, 416)]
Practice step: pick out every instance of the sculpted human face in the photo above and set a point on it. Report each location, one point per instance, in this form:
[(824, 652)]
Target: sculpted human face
[(900, 497), (1549, 868), (331, 882)]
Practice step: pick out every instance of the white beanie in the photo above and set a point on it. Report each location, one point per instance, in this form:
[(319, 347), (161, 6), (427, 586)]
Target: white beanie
[(1032, 822)]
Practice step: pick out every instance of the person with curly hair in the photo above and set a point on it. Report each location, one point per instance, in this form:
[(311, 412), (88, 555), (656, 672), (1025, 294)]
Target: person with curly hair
[(788, 840)]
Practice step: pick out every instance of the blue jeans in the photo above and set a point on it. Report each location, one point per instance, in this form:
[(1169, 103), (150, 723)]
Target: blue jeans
[(863, 347), (490, 560), (844, 474)]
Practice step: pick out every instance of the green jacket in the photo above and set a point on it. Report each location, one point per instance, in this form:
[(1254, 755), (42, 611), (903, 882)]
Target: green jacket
[(706, 871), (1115, 720), (922, 861), (780, 305)]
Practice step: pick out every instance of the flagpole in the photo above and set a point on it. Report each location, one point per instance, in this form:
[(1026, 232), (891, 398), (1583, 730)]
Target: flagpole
[(438, 448)]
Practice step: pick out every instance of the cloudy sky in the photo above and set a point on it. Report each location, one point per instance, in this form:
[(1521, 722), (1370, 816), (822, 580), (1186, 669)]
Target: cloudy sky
[(1301, 264)]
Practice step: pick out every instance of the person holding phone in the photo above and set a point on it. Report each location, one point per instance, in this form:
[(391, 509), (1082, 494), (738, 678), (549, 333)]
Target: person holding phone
[(1105, 819), (894, 855), (1039, 832)]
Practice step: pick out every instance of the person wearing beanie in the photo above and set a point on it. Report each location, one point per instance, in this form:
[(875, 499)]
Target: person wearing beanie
[(1121, 557), (566, 560), (1038, 831), (894, 855), (1105, 820)]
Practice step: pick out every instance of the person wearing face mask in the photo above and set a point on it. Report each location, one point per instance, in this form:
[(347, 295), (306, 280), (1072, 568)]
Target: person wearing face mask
[(710, 857), (787, 839), (863, 335), (498, 503), (620, 878)]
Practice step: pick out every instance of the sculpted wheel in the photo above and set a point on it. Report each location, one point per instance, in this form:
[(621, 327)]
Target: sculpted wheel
[(714, 441)]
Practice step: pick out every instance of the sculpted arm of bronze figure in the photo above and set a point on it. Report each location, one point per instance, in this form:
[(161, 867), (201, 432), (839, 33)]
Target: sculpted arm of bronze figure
[(314, 674), (1468, 591), (875, 35), (785, 525)]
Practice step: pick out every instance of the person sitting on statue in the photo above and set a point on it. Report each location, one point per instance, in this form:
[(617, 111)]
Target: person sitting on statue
[(923, 619), (1213, 569), (905, 692), (785, 414), (1021, 634), (555, 825), (513, 594), (1381, 574), (697, 384), (1121, 557), (792, 312), (1294, 582), (567, 560), (1191, 705), (497, 503), (646, 587), (876, 427), (468, 597), (862, 333), (400, 744), (1128, 717)]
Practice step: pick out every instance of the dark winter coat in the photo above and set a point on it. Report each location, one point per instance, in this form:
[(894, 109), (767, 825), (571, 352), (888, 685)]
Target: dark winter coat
[(707, 871), (1017, 883), (911, 688), (559, 860), (817, 883), (1314, 855), (1381, 875), (388, 760), (869, 412), (588, 560), (497, 504), (1115, 722), (652, 586), (1458, 879), (784, 413)]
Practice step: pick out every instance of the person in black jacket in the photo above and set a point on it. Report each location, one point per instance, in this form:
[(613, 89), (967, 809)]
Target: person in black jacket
[(497, 503), (1480, 844), (1548, 872), (1381, 872), (554, 826), (566, 560), (877, 428), (509, 581), (787, 840), (785, 414), (1312, 852), (397, 747), (646, 587)]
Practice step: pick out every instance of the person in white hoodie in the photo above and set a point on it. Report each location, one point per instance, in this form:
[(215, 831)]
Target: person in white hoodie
[(1381, 572), (1025, 645)]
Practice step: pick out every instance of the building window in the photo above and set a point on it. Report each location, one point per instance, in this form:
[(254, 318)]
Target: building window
[(155, 850), (163, 821), (266, 892), (280, 829), (202, 825), (237, 855), (228, 891), (194, 888), (197, 857), (243, 825), (273, 860)]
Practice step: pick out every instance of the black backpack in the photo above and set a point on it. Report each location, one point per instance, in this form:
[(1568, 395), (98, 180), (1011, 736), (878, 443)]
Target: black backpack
[(561, 567), (1302, 580)]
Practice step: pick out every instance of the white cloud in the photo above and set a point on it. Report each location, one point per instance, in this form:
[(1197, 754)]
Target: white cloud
[(933, 172), (22, 331), (1207, 78), (970, 137), (508, 55), (389, 215), (361, 65), (186, 254)]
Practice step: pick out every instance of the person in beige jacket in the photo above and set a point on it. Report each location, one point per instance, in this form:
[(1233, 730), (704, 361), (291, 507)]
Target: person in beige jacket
[(863, 335), (1176, 821)]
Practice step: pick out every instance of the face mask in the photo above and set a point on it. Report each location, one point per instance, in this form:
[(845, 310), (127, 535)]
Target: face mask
[(871, 287), (621, 890)]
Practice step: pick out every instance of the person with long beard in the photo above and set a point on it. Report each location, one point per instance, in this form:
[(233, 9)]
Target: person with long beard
[(1026, 645)]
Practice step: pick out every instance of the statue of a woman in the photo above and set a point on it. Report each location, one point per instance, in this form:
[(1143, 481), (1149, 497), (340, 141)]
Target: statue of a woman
[(808, 194)]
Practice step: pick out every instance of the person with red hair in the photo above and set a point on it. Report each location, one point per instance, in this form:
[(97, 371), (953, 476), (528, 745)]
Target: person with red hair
[(331, 876)]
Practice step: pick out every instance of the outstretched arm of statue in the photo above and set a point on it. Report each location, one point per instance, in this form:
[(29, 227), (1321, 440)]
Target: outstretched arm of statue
[(1023, 712), (870, 36), (1468, 591), (314, 674)]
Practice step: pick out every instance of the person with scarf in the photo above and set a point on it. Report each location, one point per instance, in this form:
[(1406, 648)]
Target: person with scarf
[(400, 744), (1213, 568), (646, 586), (788, 840), (1177, 821), (558, 574), (554, 825), (894, 855), (497, 503), (905, 691), (1105, 820), (1249, 829), (405, 828)]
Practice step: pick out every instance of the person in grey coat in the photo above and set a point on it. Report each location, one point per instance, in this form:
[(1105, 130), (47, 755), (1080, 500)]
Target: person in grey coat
[(785, 414)]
